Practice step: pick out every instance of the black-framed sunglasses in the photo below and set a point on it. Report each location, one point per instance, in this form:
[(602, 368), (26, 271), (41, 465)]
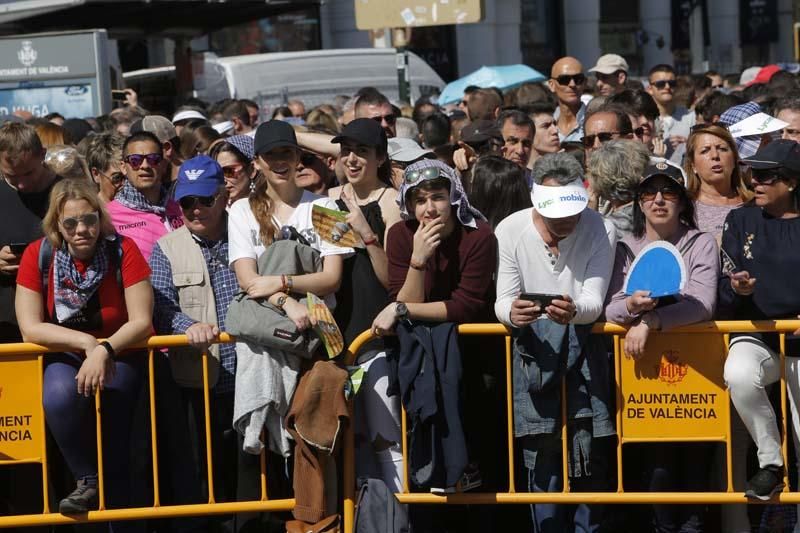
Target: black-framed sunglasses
[(564, 79), (191, 202), (704, 125), (604, 136), (429, 173), (89, 220), (765, 177), (639, 132), (136, 160), (390, 119), (661, 84), (670, 193)]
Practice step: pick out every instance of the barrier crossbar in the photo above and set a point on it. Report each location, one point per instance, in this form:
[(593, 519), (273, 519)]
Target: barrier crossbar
[(565, 496), (16, 351)]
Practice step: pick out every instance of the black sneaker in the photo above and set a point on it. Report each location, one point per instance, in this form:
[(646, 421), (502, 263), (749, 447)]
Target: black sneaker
[(767, 482), (82, 499)]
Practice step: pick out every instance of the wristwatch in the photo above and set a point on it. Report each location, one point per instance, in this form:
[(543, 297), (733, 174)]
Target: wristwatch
[(400, 311), (281, 301)]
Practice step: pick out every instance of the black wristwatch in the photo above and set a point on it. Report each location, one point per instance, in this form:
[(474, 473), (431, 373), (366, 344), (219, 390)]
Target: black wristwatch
[(400, 311), (109, 349)]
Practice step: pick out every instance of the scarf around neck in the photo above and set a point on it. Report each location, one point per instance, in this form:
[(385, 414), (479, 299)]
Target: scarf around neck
[(131, 198), (71, 289)]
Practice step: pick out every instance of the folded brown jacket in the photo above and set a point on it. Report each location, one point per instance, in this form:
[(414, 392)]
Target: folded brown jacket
[(315, 421)]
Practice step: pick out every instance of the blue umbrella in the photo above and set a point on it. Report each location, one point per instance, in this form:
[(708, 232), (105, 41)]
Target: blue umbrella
[(504, 77)]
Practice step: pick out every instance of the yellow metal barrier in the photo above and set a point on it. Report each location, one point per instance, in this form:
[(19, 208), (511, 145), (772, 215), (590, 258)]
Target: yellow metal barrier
[(29, 359), (25, 362), (669, 365)]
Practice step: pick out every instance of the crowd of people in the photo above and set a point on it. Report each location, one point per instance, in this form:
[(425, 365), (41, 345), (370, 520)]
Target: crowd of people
[(526, 206)]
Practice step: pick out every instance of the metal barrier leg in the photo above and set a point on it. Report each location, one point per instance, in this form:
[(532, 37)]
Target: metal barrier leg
[(512, 485), (263, 464), (98, 411), (786, 414), (43, 430), (207, 414), (729, 424), (349, 465), (153, 431)]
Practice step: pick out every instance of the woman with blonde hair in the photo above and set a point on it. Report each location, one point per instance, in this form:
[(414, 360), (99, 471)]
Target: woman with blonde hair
[(51, 134), (713, 179), (96, 286)]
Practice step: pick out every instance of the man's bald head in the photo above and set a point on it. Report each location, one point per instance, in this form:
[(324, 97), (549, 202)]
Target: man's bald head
[(567, 81), (566, 65)]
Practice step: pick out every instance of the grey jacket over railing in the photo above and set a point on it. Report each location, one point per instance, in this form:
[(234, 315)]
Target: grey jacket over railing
[(544, 353), (266, 377)]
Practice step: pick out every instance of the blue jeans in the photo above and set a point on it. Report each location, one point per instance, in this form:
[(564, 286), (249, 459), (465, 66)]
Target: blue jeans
[(547, 477), (70, 418)]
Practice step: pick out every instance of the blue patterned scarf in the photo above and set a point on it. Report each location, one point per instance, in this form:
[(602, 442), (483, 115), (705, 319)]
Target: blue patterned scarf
[(71, 289)]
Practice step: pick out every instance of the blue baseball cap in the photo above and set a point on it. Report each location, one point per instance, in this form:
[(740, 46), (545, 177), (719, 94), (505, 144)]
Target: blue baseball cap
[(199, 176)]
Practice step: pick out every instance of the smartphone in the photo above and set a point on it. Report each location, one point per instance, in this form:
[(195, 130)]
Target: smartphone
[(17, 247), (119, 95), (540, 299)]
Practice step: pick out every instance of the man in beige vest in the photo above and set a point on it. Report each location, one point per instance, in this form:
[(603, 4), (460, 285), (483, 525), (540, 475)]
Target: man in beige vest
[(193, 288)]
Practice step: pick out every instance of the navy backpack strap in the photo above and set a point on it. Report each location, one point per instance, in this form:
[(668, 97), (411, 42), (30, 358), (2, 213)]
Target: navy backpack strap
[(45, 260)]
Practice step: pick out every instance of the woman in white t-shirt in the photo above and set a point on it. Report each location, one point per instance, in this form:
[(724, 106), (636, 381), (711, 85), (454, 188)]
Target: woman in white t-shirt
[(277, 204)]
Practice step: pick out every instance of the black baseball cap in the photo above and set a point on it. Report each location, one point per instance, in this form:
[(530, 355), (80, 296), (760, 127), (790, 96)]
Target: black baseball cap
[(781, 153), (274, 134), (663, 168), (363, 131), (480, 131)]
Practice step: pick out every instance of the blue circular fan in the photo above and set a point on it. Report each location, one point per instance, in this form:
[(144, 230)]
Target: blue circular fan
[(659, 268)]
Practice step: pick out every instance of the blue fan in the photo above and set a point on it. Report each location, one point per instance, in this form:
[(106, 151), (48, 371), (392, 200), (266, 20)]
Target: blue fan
[(659, 268)]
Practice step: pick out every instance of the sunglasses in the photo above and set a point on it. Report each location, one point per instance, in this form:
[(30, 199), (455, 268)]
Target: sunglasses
[(564, 79), (604, 136), (704, 125), (765, 178), (89, 220), (429, 173), (136, 160), (191, 202), (668, 193), (639, 132), (663, 83), (232, 172), (116, 178), (390, 119)]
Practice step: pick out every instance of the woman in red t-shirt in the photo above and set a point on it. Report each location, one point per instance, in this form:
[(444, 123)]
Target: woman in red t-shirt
[(97, 287)]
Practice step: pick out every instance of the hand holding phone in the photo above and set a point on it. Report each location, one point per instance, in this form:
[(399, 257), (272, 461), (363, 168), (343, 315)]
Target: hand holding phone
[(541, 300), (17, 247)]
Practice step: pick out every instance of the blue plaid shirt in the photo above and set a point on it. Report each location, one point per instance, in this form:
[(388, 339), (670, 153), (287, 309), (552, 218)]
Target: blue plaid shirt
[(168, 318)]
